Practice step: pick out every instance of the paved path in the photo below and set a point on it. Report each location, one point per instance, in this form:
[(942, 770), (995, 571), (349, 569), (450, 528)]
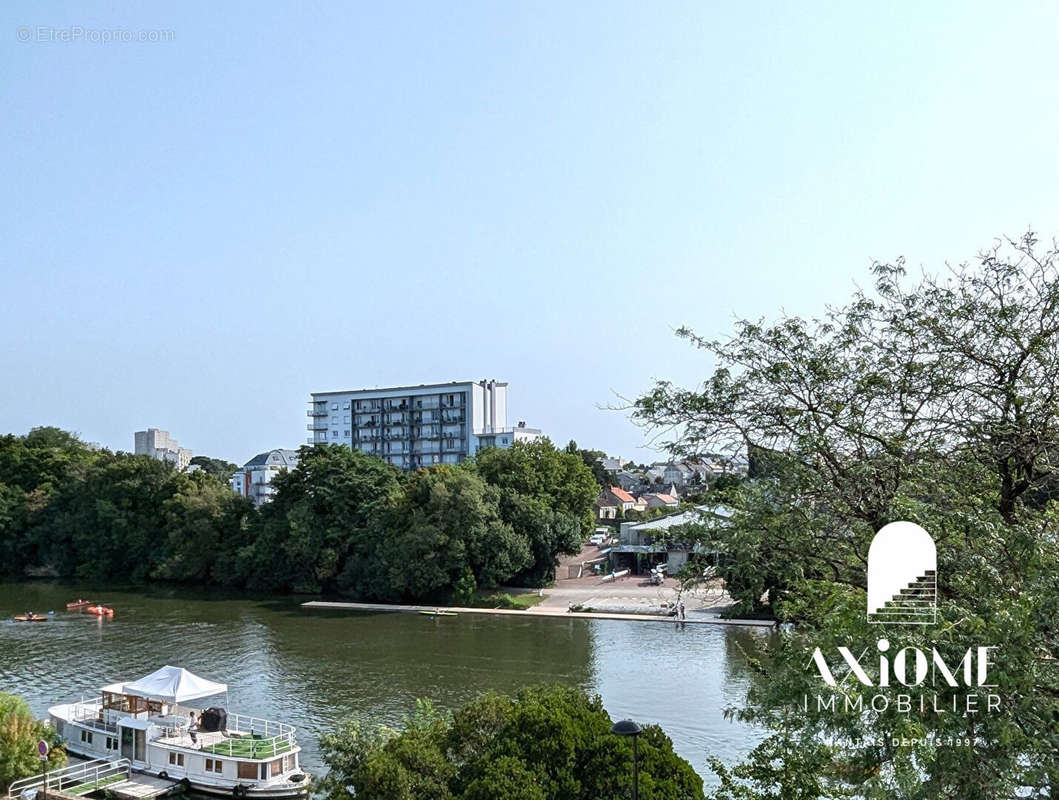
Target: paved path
[(536, 611)]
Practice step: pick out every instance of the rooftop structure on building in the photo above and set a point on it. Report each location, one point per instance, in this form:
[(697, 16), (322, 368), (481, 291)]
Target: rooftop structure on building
[(417, 426), (158, 444)]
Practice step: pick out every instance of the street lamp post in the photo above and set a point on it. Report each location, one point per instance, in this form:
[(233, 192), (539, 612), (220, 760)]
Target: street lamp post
[(629, 728)]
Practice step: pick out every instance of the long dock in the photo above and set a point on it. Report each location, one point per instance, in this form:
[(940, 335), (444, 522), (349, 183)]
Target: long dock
[(552, 613)]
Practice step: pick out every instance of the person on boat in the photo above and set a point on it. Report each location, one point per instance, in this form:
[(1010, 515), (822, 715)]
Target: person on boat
[(191, 727)]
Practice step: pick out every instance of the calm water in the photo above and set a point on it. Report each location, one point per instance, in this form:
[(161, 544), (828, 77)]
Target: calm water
[(310, 668)]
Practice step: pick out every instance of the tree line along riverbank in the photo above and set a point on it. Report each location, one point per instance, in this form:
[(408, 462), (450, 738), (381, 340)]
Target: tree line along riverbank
[(341, 522)]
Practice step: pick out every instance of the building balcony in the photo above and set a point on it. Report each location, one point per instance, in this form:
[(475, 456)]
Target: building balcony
[(315, 426), (317, 412)]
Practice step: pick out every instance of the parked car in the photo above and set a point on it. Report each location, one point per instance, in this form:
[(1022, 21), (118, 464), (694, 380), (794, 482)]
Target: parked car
[(598, 539)]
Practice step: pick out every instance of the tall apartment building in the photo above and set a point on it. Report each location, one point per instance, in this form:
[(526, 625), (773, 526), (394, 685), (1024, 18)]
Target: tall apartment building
[(415, 426), (160, 445), (254, 480)]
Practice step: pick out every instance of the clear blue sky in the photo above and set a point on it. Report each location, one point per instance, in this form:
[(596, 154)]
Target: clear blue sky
[(195, 234)]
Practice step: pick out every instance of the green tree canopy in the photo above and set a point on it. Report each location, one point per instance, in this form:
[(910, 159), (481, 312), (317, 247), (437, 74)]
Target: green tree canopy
[(546, 743), (217, 467), (19, 734), (933, 402), (444, 525)]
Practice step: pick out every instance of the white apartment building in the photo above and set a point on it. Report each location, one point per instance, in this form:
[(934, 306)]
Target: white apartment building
[(416, 426), (506, 437), (158, 444), (254, 480)]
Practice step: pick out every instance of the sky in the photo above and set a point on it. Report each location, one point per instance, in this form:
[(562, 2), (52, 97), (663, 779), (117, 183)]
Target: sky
[(262, 200)]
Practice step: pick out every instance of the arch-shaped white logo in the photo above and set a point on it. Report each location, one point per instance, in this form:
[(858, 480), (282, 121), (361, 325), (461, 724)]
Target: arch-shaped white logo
[(902, 576)]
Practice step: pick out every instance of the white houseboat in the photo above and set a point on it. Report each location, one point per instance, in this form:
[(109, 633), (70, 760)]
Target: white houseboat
[(147, 722)]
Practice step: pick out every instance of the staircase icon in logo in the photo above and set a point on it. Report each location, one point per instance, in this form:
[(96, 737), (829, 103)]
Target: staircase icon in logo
[(902, 576)]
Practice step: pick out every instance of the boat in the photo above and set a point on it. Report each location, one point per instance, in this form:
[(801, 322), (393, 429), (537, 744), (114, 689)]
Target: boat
[(30, 617), (100, 611), (438, 613), (149, 722), (79, 604)]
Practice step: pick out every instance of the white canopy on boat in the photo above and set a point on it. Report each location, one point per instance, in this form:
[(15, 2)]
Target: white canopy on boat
[(173, 685)]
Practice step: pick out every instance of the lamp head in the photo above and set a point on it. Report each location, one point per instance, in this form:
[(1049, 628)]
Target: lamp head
[(626, 728)]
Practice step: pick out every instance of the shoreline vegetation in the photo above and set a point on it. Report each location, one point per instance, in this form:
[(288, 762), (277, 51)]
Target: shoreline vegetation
[(341, 524), (544, 742), (19, 734)]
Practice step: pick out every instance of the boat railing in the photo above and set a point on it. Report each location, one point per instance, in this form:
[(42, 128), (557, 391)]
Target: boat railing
[(243, 737), (261, 738), (258, 726), (76, 779), (88, 713)]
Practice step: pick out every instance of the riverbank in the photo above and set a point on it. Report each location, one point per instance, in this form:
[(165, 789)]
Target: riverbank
[(537, 611)]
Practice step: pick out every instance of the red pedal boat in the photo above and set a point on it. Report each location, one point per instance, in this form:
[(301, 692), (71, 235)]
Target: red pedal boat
[(100, 611)]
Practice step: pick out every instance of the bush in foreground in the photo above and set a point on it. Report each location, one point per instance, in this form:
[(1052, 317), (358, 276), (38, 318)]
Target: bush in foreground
[(19, 734), (545, 743)]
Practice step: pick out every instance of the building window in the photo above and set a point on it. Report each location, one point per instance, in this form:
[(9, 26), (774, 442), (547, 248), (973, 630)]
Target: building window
[(334, 434), (346, 434), (345, 405), (176, 759), (214, 765), (345, 419)]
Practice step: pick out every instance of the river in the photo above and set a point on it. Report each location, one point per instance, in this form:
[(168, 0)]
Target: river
[(310, 668)]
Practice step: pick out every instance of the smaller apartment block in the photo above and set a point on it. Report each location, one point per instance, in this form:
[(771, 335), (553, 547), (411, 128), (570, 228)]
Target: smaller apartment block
[(254, 480), (158, 444)]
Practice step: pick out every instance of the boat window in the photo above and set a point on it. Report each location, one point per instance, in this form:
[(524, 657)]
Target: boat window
[(86, 737), (176, 759), (214, 765), (276, 767)]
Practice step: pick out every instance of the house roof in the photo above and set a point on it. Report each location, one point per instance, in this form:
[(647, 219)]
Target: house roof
[(283, 458), (665, 498), (621, 494)]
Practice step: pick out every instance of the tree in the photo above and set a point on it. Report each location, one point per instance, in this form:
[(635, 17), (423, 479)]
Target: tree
[(557, 478), (19, 734), (447, 522), (935, 403), (322, 521), (204, 523), (546, 743), (217, 467), (547, 496)]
